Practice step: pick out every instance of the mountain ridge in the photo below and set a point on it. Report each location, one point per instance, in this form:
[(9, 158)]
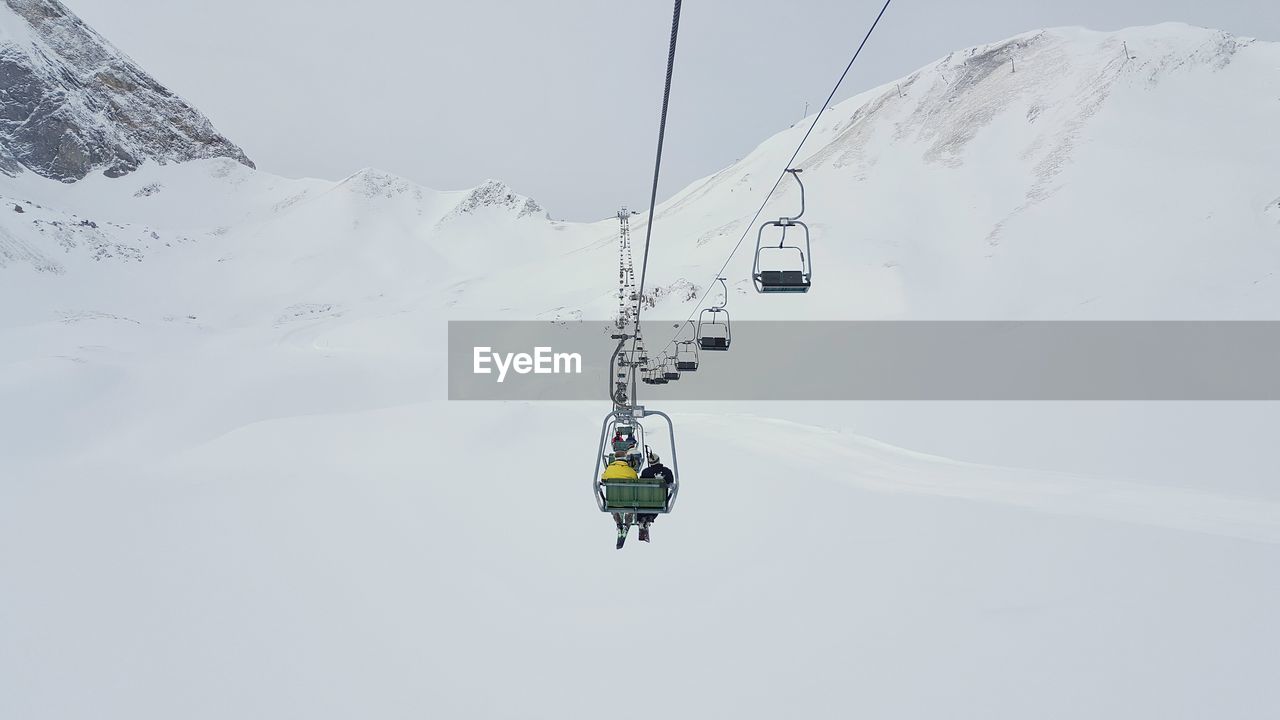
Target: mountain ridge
[(951, 193), (74, 104)]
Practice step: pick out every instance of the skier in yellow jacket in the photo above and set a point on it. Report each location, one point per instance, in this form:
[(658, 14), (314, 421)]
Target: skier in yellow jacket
[(620, 469)]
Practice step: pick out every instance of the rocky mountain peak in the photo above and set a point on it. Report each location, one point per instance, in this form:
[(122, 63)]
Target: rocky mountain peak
[(493, 193), (71, 103)]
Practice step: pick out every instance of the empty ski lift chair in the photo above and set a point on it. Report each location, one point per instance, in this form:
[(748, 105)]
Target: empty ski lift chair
[(790, 266), (687, 356), (670, 371), (713, 330)]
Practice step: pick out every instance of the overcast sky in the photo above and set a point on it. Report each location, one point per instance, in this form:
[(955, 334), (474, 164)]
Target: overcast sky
[(558, 99)]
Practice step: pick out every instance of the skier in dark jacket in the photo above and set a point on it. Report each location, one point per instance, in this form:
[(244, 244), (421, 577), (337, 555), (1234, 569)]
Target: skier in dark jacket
[(654, 471)]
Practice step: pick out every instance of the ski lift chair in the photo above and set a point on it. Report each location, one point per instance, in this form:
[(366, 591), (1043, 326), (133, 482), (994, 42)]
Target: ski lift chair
[(626, 432), (786, 273), (645, 495), (687, 356), (714, 332), (629, 449), (670, 371)]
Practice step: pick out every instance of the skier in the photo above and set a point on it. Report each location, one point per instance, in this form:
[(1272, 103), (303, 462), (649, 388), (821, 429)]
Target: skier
[(655, 471), (623, 442), (620, 469), (634, 459)]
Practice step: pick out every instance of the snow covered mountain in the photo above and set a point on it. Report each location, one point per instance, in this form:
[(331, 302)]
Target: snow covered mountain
[(230, 485), (1085, 183), (71, 103), (1047, 176)]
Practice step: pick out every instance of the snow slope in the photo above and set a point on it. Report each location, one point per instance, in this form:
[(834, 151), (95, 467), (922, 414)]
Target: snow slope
[(374, 564), (230, 486)]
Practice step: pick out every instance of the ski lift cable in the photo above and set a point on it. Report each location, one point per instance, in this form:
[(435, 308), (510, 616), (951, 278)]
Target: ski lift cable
[(781, 175), (657, 164)]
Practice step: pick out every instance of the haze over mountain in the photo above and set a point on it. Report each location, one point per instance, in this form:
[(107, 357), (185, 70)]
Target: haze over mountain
[(230, 485)]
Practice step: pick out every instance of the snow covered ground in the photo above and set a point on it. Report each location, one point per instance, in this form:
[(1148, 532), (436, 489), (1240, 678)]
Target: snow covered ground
[(230, 485), (425, 559)]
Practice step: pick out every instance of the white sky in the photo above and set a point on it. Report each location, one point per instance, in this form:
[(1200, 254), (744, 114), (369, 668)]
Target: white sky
[(558, 99)]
